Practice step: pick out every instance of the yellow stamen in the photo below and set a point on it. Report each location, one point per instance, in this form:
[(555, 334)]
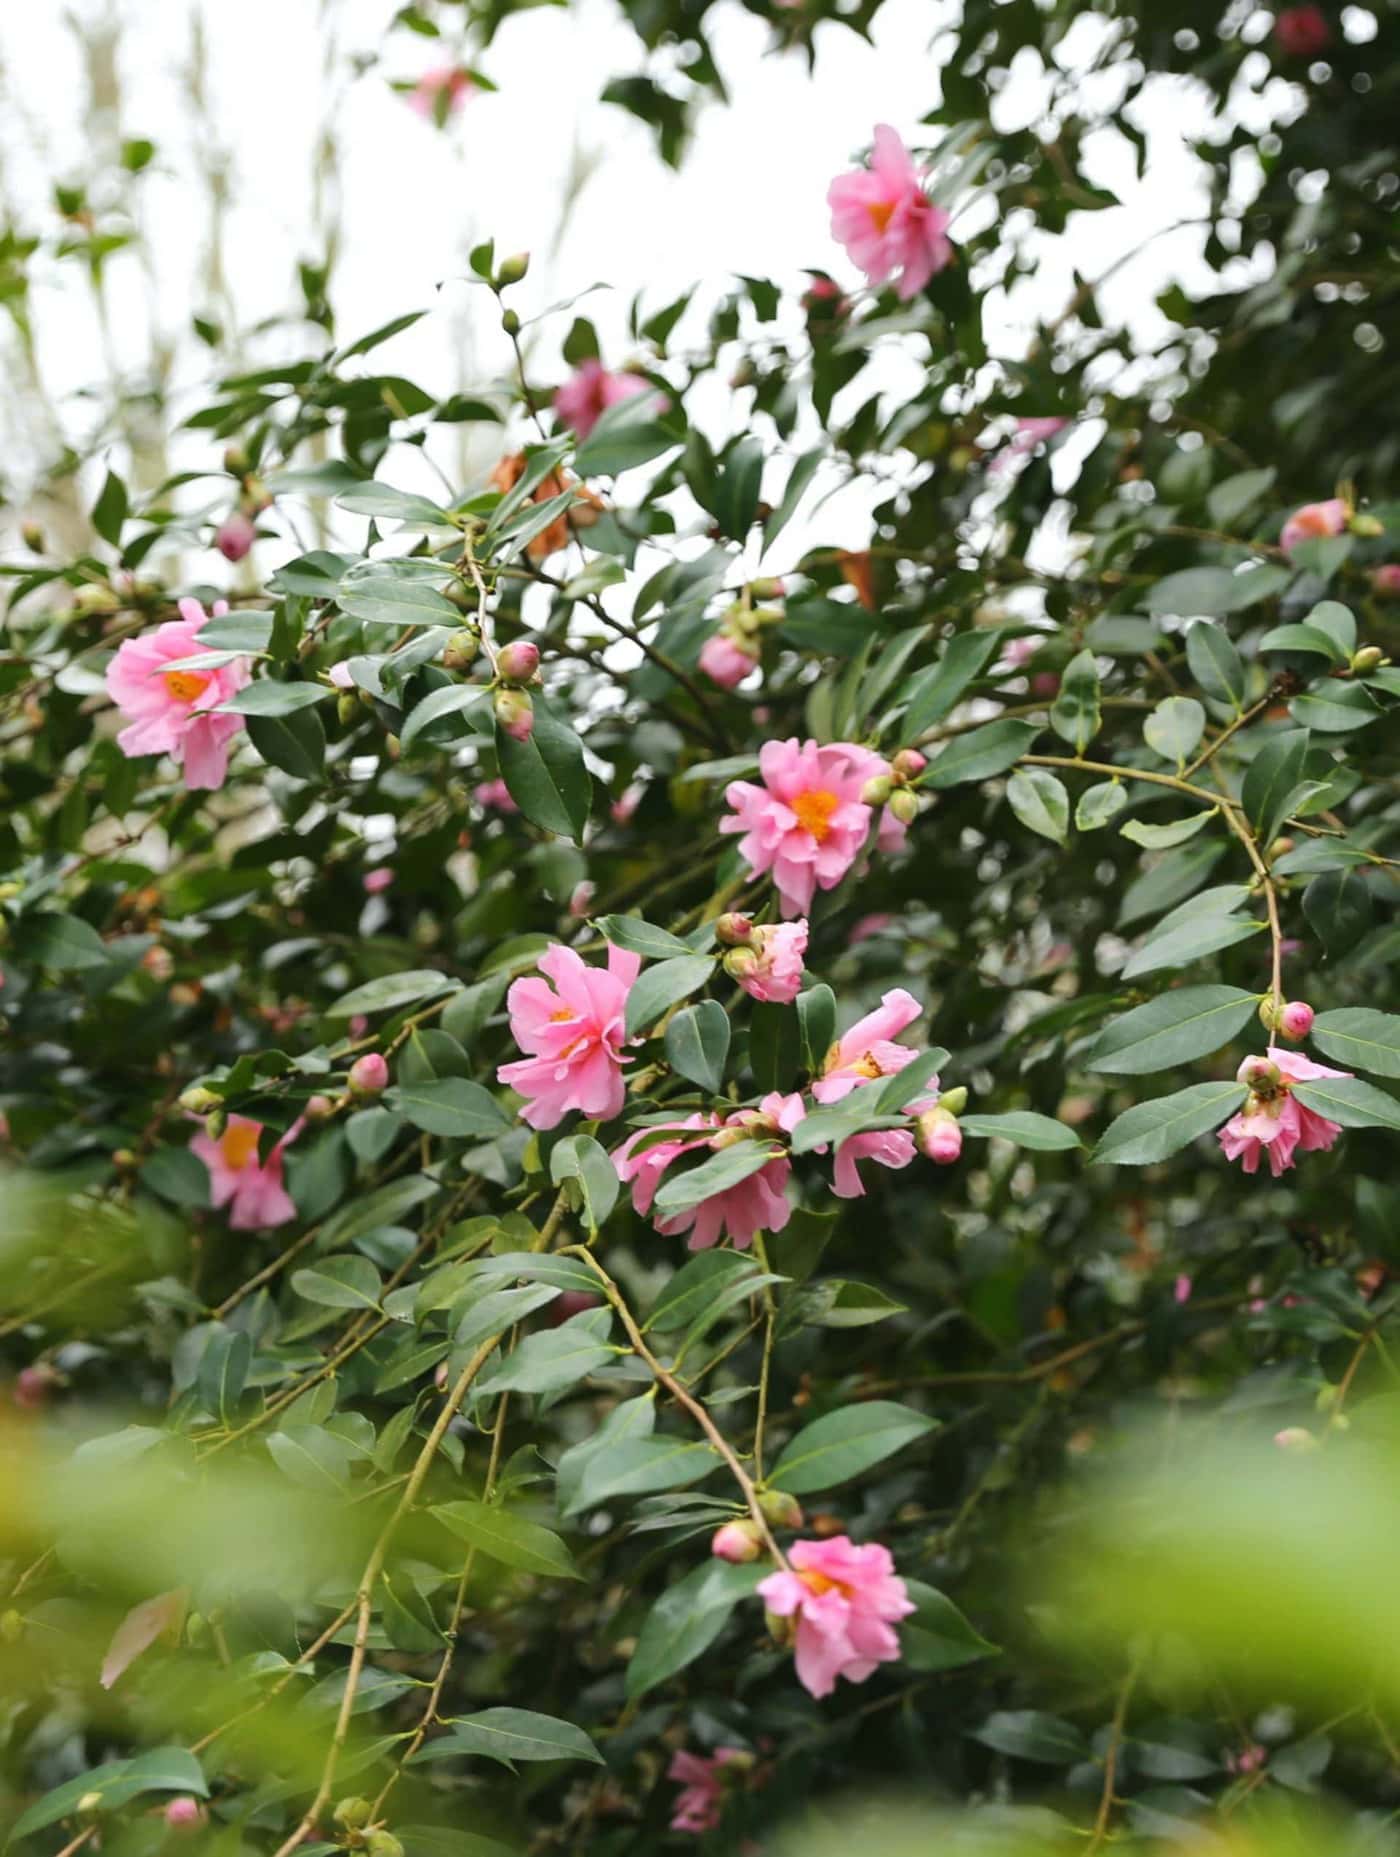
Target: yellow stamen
[(881, 211), (185, 686), (814, 810), (557, 1018), (239, 1145), (868, 1066), (819, 1583)]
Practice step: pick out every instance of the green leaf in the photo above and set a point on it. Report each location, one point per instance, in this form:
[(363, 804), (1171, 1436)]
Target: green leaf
[(386, 504), (1163, 837), (938, 688), (390, 992), (1233, 496), (1303, 638), (1351, 1101), (546, 775), (223, 1372), (295, 742), (695, 1284), (1194, 592), (498, 1311), (644, 938), (775, 1046), (686, 1620), (736, 489), (845, 1443), (1039, 801), (494, 1531), (658, 987), (1189, 941), (1215, 663), (449, 700), (980, 754), (1075, 715), (1274, 780), (1338, 622), (410, 1360), (1334, 708), (509, 1735), (641, 1466), (581, 1158), (1339, 906), (936, 1636), (110, 511), (697, 1044), (1026, 1734), (838, 1302), (268, 697), (624, 436), (1151, 1131), (408, 1619), (1357, 1035), (1025, 1128), (340, 1283), (453, 1106), (312, 1457), (1174, 1028), (64, 943), (680, 1191), (385, 1205), (395, 599), (1099, 805), (240, 631), (1174, 728), (555, 1358), (563, 1272)]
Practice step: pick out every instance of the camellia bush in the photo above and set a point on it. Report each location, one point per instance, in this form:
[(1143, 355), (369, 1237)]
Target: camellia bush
[(610, 1104)]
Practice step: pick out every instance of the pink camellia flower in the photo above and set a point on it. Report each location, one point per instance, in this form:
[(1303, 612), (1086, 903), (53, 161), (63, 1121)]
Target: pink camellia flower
[(235, 536), (1312, 521), (1385, 580), (846, 1600), (574, 1033), (339, 675), (807, 823), (441, 92), (1181, 1290), (169, 710), (251, 1189), (891, 1147), (700, 1802), (725, 660), (1302, 32), (1295, 1021), (867, 1052), (1028, 434), (626, 803), (886, 221), (757, 1204), (376, 882), (581, 898), (588, 393), (1273, 1121), (495, 796), (768, 966)]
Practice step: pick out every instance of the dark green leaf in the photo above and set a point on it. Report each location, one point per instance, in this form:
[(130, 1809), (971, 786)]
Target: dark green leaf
[(697, 1044), (1174, 1028), (845, 1443), (546, 775), (1151, 1131)]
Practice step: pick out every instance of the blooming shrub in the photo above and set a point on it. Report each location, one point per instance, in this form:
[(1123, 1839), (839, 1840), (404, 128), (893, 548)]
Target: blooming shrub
[(455, 978)]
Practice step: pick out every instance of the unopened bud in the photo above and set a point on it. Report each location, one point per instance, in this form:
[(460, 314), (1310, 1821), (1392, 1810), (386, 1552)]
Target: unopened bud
[(877, 791), (368, 1075), (1295, 1438), (1366, 525), (318, 1108), (1279, 848), (33, 537), (909, 763), (347, 708), (237, 462), (736, 1541), (732, 929), (123, 1159), (512, 270), (939, 1136), (198, 1100), (783, 1631), (1261, 1074), (510, 322), (1295, 1021), (768, 588), (904, 805), (739, 963), (954, 1101), (1366, 659), (235, 536), (518, 661), (1269, 1011), (353, 1812), (779, 1509), (184, 1813), (515, 714), (459, 653)]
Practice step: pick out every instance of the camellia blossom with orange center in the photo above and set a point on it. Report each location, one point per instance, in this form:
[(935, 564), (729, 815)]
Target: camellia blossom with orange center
[(807, 823), (886, 221), (251, 1189), (170, 709), (846, 1600)]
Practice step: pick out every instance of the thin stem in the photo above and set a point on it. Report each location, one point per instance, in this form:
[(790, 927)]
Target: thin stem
[(1099, 1836)]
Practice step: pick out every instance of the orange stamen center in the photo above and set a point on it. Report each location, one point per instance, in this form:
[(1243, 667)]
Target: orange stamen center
[(881, 211), (819, 1583), (814, 810), (557, 1018), (238, 1145), (185, 686), (868, 1066)]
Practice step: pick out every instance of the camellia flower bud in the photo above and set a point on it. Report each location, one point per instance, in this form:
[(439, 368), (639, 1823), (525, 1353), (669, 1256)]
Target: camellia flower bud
[(779, 1509), (347, 708), (318, 1108), (909, 763), (736, 1541), (1295, 1438), (215, 1123), (184, 1813), (904, 805), (1295, 1021), (877, 790), (1269, 1010), (518, 661), (1367, 525), (1385, 579), (731, 929), (237, 462), (459, 653), (1366, 659), (383, 1844), (33, 537), (234, 536), (939, 1136), (1261, 1074), (368, 1075), (33, 1386), (510, 322), (512, 270), (740, 962), (515, 714), (198, 1100), (353, 1812)]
